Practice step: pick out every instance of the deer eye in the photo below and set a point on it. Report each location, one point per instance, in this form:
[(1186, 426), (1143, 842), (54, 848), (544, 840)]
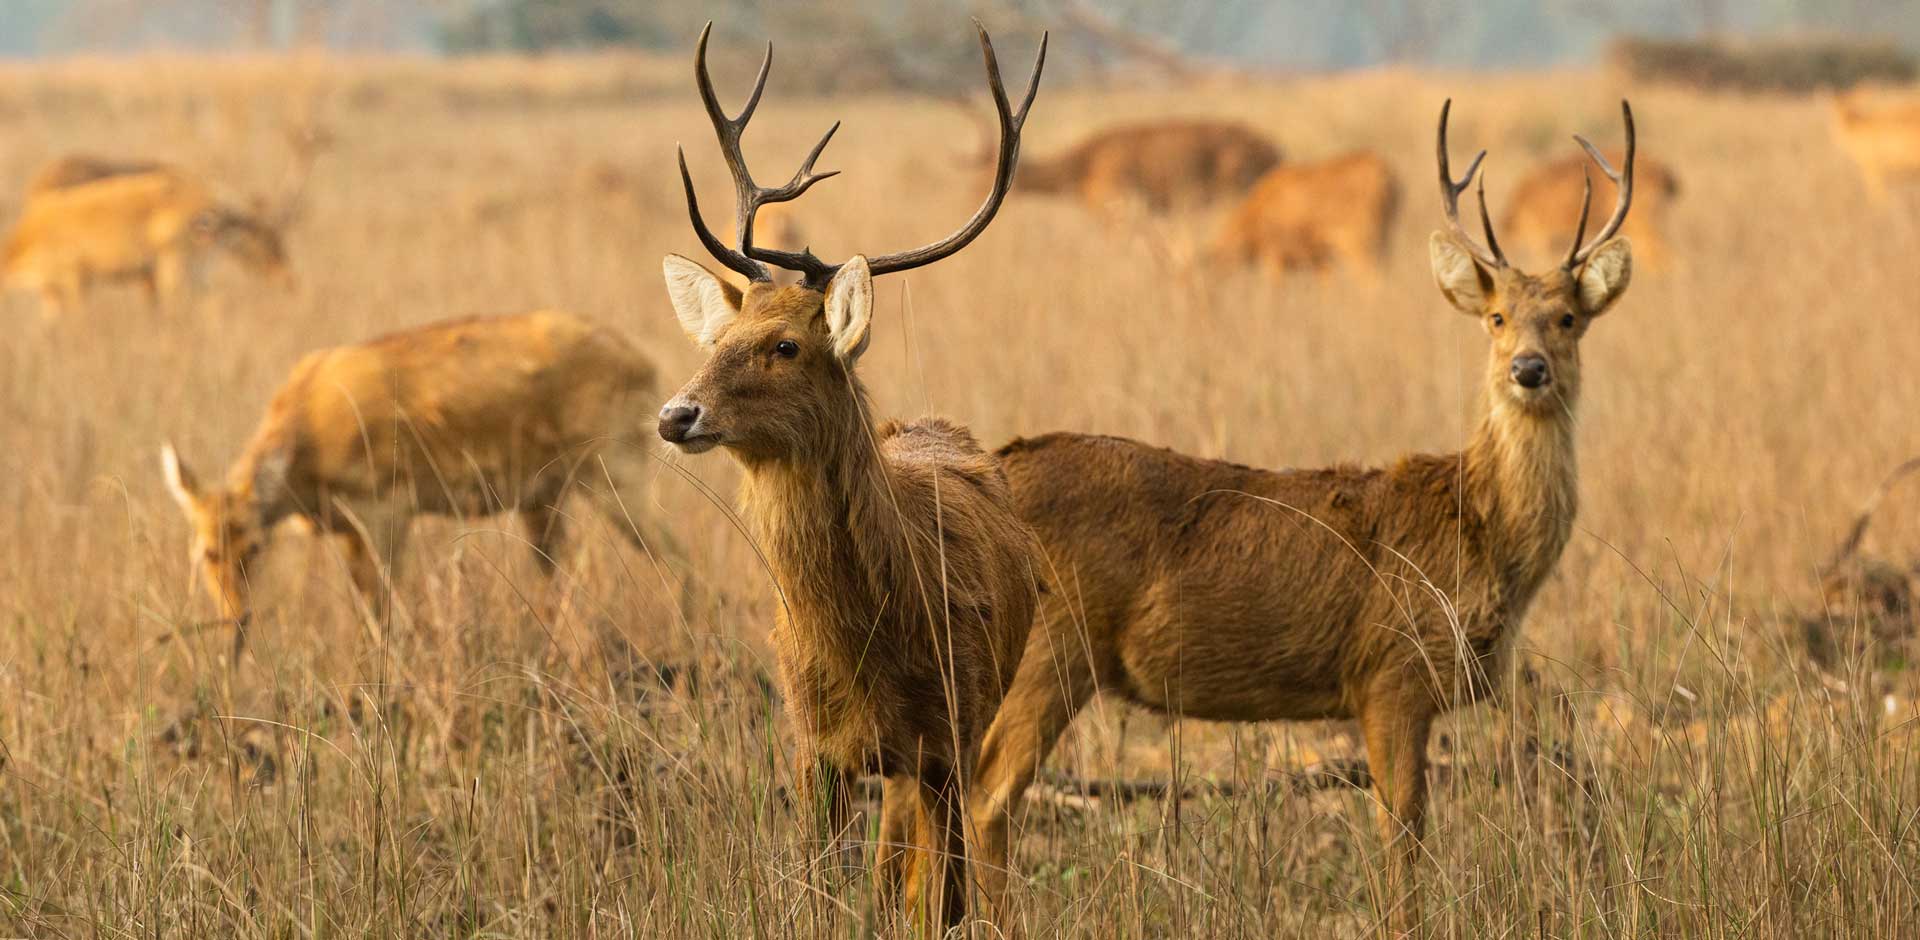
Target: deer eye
[(786, 349), (1498, 321), (1566, 322)]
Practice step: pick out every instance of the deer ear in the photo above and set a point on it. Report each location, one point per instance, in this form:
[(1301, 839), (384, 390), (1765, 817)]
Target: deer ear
[(850, 308), (180, 480), (1605, 275), (704, 303), (1462, 280)]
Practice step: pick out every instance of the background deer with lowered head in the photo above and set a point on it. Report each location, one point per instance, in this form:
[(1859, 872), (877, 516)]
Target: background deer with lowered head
[(906, 581), (461, 418), (1217, 591), (89, 220)]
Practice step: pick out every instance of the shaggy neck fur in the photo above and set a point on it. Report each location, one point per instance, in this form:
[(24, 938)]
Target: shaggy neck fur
[(830, 534), (1522, 480)]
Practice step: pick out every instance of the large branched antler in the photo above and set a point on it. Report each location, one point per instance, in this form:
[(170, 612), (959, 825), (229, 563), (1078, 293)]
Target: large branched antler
[(1580, 250), (1450, 191), (1011, 123), (749, 196), (752, 260)]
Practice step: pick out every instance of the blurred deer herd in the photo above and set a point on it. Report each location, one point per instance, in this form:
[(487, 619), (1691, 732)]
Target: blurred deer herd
[(946, 609)]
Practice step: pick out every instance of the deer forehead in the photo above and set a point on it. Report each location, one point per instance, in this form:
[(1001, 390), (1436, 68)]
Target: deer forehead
[(793, 307), (1518, 294)]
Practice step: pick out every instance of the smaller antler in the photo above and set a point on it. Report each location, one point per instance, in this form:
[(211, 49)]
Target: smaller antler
[(749, 196), (1450, 191), (1578, 253)]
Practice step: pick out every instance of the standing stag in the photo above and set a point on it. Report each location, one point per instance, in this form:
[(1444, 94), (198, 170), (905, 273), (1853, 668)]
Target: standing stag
[(1311, 216), (464, 418), (1206, 589), (906, 581), (89, 220)]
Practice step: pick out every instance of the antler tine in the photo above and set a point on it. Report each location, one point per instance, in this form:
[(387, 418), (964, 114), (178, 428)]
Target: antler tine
[(1011, 123), (1486, 223), (748, 195), (1586, 206), (1623, 184), (727, 256), (1450, 197)]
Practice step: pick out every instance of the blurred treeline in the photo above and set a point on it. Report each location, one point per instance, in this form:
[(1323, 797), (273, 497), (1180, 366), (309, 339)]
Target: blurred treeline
[(864, 37)]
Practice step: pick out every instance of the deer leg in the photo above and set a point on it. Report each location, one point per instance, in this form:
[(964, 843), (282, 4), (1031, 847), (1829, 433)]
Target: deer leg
[(899, 837), (67, 288), (374, 548), (149, 288), (822, 798), (166, 279), (1053, 681), (943, 884), (52, 305), (1396, 720), (546, 530)]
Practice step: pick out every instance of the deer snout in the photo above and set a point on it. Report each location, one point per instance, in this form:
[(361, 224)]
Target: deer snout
[(1530, 371), (679, 422)]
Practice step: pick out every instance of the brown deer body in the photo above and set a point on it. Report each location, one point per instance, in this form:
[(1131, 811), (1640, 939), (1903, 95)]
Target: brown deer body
[(1310, 216), (90, 220), (1882, 135), (906, 581), (1162, 166), (1538, 210), (462, 418), (1217, 591)]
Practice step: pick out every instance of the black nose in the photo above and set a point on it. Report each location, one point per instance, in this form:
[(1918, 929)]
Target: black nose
[(676, 421), (1529, 371)]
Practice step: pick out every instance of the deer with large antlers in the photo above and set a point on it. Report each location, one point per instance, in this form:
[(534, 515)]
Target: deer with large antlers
[(906, 581), (1207, 589), (89, 220)]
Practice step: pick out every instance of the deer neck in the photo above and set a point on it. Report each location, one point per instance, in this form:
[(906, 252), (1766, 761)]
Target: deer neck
[(1522, 478), (258, 478), (801, 509)]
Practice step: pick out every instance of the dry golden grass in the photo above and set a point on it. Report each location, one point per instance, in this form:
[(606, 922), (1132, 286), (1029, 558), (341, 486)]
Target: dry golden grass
[(499, 769)]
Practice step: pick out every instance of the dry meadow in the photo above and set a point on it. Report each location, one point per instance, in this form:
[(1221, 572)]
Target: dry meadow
[(511, 759)]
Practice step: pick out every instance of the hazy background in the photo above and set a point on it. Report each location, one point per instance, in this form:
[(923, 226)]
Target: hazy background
[(1299, 34)]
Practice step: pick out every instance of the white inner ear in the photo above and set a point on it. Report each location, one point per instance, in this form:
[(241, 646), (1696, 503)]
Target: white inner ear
[(1457, 274), (850, 308), (180, 480), (699, 299), (1605, 276)]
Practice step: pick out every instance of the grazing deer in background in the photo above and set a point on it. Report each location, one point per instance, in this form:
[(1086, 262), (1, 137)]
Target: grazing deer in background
[(462, 418), (1540, 205), (1162, 166), (1210, 590), (1882, 135), (1310, 216), (906, 581), (89, 220)]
